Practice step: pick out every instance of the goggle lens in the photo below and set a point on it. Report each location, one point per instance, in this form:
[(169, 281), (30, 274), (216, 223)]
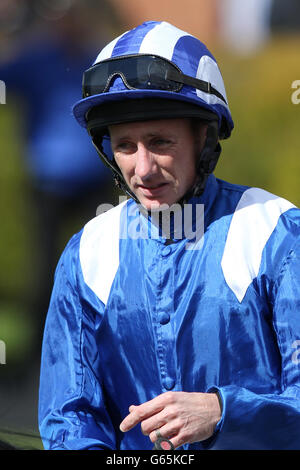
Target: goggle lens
[(137, 72), (141, 72)]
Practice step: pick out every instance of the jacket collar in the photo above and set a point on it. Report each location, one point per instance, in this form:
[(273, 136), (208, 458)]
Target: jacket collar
[(180, 222)]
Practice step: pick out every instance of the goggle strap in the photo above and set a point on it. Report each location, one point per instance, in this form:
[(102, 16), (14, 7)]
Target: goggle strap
[(201, 85), (174, 74)]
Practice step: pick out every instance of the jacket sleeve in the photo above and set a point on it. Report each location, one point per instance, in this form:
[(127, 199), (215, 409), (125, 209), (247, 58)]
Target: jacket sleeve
[(252, 421), (72, 412)]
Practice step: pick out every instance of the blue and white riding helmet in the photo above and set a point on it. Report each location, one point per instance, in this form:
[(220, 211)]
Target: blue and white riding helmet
[(155, 71)]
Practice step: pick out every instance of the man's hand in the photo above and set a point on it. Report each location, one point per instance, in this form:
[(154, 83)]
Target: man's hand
[(182, 417)]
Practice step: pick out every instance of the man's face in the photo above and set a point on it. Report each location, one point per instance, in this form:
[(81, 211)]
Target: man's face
[(157, 158)]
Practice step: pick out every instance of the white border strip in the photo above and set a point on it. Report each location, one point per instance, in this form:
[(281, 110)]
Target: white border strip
[(99, 251), (252, 224)]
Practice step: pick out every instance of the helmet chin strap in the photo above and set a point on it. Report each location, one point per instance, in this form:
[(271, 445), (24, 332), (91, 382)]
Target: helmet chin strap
[(206, 164), (117, 174)]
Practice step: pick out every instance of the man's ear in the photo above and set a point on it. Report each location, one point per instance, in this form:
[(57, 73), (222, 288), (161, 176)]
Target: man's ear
[(200, 133), (202, 136)]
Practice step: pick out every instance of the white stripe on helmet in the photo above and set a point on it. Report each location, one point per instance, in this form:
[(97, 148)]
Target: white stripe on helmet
[(209, 71), (162, 40), (108, 50)]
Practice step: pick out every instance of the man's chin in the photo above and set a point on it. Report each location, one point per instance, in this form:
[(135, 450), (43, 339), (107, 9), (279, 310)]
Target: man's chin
[(156, 205)]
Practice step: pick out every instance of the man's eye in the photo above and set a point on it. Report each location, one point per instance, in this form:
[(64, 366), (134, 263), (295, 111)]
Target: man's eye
[(125, 147), (161, 142)]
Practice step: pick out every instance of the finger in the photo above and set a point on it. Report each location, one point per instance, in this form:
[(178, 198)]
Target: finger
[(177, 440), (131, 408), (168, 431), (163, 444), (150, 425), (173, 432), (141, 412)]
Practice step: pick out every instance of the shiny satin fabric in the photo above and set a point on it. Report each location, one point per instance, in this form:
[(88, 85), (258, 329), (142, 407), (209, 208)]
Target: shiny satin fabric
[(171, 322)]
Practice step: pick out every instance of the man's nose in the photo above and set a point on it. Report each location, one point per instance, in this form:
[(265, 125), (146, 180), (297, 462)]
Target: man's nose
[(145, 164)]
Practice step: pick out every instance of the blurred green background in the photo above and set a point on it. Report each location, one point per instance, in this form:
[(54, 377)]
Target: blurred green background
[(264, 148)]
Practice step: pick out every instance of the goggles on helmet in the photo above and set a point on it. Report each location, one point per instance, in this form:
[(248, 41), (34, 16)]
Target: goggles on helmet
[(141, 72)]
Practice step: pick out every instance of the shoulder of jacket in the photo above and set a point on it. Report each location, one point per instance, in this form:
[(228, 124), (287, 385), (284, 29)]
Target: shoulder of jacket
[(256, 216), (104, 221), (99, 251), (239, 189)]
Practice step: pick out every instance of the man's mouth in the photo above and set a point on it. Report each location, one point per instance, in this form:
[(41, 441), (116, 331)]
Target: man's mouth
[(152, 190)]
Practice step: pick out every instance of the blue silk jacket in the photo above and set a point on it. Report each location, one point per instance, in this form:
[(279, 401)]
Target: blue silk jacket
[(218, 309)]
